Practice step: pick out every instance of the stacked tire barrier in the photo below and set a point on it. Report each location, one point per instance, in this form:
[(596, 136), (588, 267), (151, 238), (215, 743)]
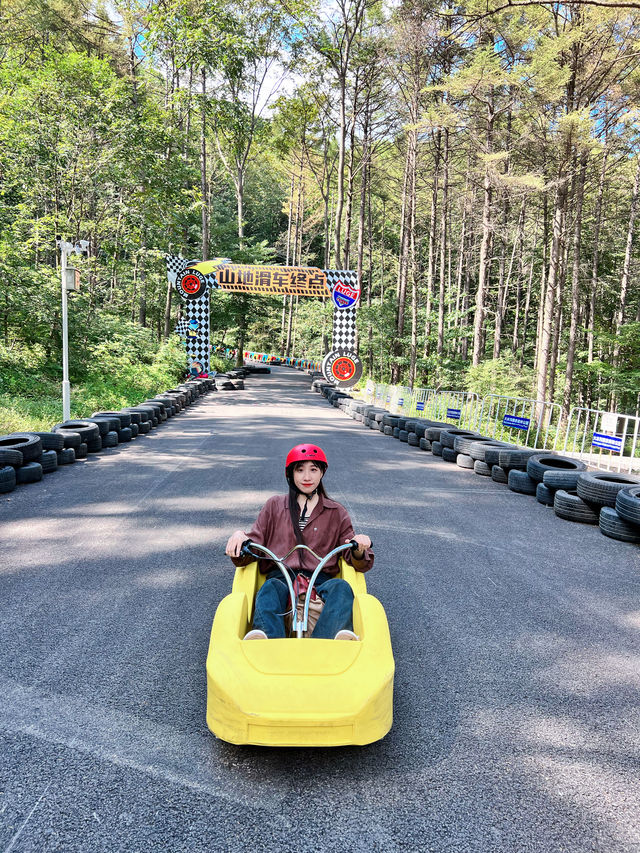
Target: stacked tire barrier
[(608, 499), (26, 457)]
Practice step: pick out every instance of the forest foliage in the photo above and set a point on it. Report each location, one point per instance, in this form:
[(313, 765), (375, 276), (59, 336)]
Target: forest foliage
[(480, 169)]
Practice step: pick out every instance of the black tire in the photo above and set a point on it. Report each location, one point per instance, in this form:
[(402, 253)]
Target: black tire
[(110, 439), (134, 430), (464, 461), (66, 456), (403, 435), (123, 417), (436, 448), (478, 449), (390, 420), (463, 443), (29, 444), (396, 432), (492, 454), (521, 482), (413, 440), (145, 427), (612, 525), (7, 479), (30, 472), (124, 434), (145, 413), (388, 430), (49, 461), (567, 480), (51, 440), (164, 408), (81, 451), (157, 409), (498, 475), (449, 454), (628, 504), (104, 424), (433, 433), (571, 507), (366, 422), (167, 404), (10, 457), (136, 417), (538, 465), (425, 444), (448, 436), (71, 439), (480, 467), (544, 495), (94, 445), (602, 487), (419, 428), (85, 429), (514, 460)]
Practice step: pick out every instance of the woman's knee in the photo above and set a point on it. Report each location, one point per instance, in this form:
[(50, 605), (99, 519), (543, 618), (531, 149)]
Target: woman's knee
[(338, 588)]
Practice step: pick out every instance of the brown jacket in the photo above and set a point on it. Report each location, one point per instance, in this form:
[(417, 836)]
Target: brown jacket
[(329, 525)]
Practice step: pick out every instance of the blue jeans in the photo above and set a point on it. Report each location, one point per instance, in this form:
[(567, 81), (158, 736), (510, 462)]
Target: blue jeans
[(272, 602)]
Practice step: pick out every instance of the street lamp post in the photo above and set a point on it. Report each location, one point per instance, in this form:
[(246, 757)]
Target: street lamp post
[(65, 249)]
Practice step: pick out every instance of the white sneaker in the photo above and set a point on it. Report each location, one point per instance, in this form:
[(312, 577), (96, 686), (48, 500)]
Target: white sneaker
[(255, 634), (345, 634)]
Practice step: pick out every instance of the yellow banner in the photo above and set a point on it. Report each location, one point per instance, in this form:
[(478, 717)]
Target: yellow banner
[(246, 278)]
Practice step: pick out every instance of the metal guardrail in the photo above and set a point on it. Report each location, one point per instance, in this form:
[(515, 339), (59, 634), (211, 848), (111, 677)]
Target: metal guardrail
[(420, 401), (592, 431), (456, 407), (521, 420), (609, 440)]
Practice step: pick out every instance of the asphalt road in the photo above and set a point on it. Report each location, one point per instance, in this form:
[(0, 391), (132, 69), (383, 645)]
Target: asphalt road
[(516, 638)]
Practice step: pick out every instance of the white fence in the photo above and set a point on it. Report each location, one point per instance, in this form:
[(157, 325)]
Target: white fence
[(521, 420), (608, 440)]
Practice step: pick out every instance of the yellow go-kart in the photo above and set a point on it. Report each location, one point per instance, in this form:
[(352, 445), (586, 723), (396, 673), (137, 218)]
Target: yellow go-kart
[(298, 691)]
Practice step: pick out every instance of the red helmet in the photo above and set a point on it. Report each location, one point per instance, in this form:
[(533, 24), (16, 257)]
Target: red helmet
[(304, 453)]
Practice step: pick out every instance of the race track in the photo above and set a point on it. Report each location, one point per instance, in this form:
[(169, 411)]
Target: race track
[(516, 637)]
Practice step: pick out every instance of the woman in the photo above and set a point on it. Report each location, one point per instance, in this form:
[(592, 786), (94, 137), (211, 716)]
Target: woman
[(305, 516)]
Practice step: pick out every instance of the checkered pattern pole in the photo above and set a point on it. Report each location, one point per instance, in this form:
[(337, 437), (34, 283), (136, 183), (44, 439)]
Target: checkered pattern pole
[(194, 309), (198, 347), (344, 319)]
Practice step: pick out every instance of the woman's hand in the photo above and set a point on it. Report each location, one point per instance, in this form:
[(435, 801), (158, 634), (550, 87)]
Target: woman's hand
[(234, 545), (363, 543)]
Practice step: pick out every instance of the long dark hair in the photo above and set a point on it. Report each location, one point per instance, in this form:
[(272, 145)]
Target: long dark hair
[(294, 509)]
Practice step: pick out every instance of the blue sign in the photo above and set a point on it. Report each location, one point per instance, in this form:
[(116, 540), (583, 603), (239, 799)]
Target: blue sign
[(420, 406), (516, 422), (454, 414), (401, 401), (607, 442)]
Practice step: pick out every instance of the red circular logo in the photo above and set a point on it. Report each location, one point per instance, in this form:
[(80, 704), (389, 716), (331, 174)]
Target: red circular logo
[(343, 368), (190, 283)]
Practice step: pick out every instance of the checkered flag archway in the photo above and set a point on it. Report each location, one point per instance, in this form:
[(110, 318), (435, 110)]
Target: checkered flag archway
[(194, 280)]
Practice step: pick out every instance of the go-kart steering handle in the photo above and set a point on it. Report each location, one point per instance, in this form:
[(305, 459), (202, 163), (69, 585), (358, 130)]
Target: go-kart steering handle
[(299, 626)]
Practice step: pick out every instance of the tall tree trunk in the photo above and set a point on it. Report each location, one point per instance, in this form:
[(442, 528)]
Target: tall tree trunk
[(444, 214), (626, 266), (403, 260), (431, 267), (342, 138), (485, 246), (549, 310), (575, 287), (203, 169)]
